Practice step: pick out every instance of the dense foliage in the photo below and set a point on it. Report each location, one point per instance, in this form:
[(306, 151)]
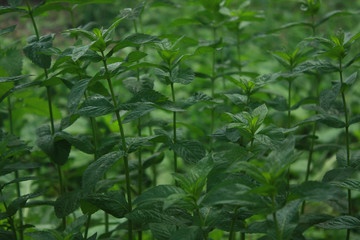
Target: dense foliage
[(179, 119)]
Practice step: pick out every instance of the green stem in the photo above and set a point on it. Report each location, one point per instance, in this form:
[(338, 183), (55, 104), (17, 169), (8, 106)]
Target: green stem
[(153, 167), (49, 101), (106, 222), (18, 192), (213, 76), (174, 125), (242, 236), (238, 48), (123, 142), (87, 226), (347, 140), (313, 25), (197, 209), (308, 167), (10, 219), (32, 19), (233, 222), (289, 104), (278, 237)]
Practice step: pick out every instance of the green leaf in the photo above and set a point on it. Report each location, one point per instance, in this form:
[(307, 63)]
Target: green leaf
[(135, 56), (157, 194), (354, 120), (88, 208), (183, 76), (113, 203), (338, 174), (138, 112), (332, 14), (11, 60), (80, 142), (97, 169), (17, 204), (12, 167), (154, 159), (14, 3), (78, 31), (4, 10), (76, 93), (95, 106), (153, 215), (187, 233), (34, 47), (250, 169), (67, 203), (352, 184), (290, 25), (317, 191), (41, 235), (57, 149), (112, 27), (162, 231), (287, 218), (341, 222), (13, 78), (78, 52), (189, 150), (349, 81), (354, 159), (184, 21), (141, 38), (328, 97), (325, 119)]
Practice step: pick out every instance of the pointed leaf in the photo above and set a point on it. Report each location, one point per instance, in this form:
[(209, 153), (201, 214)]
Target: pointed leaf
[(97, 169)]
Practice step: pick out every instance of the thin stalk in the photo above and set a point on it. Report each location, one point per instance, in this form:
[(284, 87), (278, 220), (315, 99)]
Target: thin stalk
[(289, 104), (278, 237), (238, 49), (62, 188), (10, 219), (106, 223), (174, 125), (252, 144), (308, 167), (213, 76), (197, 209), (242, 236), (87, 226), (123, 142), (153, 167), (18, 192), (233, 222), (347, 142), (313, 25)]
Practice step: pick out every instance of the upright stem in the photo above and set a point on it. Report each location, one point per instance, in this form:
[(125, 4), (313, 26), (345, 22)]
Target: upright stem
[(123, 142), (32, 19), (174, 125), (18, 192), (278, 237), (213, 76), (49, 102), (233, 222), (10, 219), (347, 141), (87, 226), (197, 209), (308, 167), (238, 48), (153, 167), (289, 104)]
